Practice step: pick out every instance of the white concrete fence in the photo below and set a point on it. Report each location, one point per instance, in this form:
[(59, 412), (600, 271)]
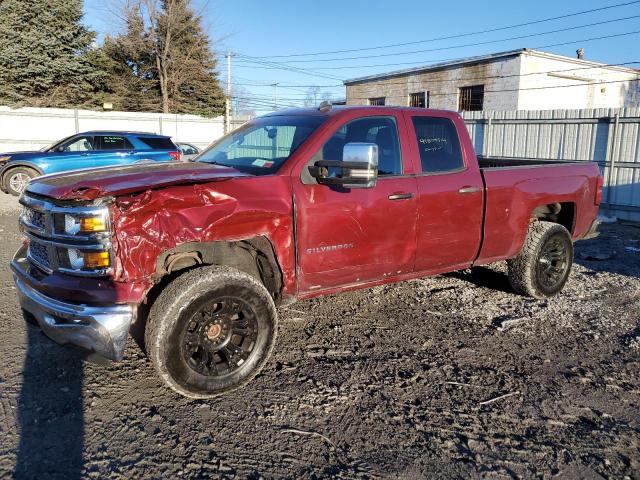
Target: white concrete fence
[(34, 128)]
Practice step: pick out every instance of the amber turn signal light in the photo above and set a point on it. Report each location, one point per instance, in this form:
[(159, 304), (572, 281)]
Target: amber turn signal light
[(97, 260), (92, 224)]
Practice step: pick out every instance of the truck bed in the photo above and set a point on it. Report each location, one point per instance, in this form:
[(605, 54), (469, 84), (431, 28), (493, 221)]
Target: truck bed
[(515, 186)]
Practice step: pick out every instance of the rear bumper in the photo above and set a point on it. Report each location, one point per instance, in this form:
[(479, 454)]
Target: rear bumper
[(593, 230), (100, 329)]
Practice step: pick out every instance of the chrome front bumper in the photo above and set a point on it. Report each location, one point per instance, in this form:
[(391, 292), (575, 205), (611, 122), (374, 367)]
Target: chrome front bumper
[(103, 330)]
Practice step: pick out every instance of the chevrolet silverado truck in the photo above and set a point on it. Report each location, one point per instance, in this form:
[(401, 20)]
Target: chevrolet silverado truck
[(292, 205)]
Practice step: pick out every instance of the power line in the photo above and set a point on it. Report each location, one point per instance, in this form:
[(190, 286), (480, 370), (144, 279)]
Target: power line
[(449, 37), (452, 47), (403, 82), (304, 71), (435, 94), (345, 67)]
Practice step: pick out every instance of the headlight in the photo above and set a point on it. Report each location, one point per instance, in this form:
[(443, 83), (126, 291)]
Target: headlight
[(79, 260), (74, 224), (5, 158)]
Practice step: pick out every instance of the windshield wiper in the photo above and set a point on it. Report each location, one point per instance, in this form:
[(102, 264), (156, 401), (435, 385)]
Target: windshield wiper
[(213, 162)]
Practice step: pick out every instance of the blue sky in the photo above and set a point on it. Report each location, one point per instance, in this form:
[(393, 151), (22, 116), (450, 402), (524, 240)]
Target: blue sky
[(290, 27)]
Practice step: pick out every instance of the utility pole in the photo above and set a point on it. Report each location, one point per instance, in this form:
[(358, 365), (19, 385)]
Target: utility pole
[(275, 96), (227, 125)]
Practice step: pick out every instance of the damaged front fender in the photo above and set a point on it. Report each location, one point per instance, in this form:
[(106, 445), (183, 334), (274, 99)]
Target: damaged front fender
[(153, 222)]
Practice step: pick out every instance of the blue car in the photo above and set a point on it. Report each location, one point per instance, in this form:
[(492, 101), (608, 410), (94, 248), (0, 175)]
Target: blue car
[(84, 150)]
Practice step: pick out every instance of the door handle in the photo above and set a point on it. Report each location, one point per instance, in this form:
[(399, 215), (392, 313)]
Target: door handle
[(465, 190), (401, 196)]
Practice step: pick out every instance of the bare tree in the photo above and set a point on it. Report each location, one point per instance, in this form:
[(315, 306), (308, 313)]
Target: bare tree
[(177, 60), (311, 100)]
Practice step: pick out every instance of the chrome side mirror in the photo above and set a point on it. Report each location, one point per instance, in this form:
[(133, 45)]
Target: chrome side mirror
[(358, 168)]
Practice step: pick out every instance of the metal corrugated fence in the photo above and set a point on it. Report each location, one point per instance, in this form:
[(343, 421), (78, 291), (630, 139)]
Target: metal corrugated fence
[(610, 137)]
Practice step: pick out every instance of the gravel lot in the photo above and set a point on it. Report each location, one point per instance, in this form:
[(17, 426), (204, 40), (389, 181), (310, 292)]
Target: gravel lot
[(452, 376)]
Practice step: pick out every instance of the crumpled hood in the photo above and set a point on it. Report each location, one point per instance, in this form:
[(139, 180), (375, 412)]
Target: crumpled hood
[(89, 184)]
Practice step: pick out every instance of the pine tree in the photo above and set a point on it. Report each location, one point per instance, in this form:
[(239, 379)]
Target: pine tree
[(129, 60), (44, 54)]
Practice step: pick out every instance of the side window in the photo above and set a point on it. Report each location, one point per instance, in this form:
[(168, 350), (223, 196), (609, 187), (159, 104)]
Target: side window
[(379, 130), (438, 144), (114, 142), (188, 149), (78, 144)]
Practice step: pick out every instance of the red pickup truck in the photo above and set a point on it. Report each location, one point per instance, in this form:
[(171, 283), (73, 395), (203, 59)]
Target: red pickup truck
[(290, 206)]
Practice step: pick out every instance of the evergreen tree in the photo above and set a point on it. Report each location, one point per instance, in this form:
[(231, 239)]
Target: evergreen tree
[(129, 60), (44, 54)]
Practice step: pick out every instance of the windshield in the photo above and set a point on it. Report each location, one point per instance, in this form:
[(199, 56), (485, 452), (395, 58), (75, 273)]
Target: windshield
[(261, 146)]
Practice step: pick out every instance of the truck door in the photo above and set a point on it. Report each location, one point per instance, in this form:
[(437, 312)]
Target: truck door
[(348, 236), (450, 192)]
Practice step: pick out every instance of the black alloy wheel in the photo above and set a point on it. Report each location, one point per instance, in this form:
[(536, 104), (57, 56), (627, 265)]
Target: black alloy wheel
[(543, 266), (211, 330), (553, 263), (219, 336)]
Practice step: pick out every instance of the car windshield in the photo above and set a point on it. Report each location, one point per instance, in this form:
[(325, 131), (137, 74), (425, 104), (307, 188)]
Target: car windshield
[(261, 146)]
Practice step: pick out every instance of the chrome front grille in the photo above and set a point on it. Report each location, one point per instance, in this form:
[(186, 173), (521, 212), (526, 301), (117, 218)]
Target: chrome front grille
[(34, 218), (39, 254)]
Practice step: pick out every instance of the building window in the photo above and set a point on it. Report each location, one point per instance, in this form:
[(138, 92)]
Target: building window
[(377, 101), (471, 98), (419, 100)]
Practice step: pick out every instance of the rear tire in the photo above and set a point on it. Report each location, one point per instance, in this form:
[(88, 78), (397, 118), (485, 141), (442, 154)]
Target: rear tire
[(15, 180), (211, 331), (544, 263)]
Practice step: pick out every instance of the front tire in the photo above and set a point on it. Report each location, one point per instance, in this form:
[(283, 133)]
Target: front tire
[(211, 331), (544, 263), (16, 179)]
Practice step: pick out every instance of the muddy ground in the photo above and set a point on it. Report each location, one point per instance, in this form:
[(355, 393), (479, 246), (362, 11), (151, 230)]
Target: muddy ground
[(453, 376)]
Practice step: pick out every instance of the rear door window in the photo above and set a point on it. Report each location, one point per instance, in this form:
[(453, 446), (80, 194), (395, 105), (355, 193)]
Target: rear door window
[(158, 143), (114, 142), (438, 144)]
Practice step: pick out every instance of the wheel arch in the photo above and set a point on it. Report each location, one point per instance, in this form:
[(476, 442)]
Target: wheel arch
[(563, 213), (13, 165), (255, 256), (21, 163)]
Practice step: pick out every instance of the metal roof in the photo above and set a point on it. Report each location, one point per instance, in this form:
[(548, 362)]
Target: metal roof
[(480, 59)]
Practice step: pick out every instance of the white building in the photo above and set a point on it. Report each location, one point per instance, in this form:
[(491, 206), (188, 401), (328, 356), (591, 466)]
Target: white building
[(521, 79)]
